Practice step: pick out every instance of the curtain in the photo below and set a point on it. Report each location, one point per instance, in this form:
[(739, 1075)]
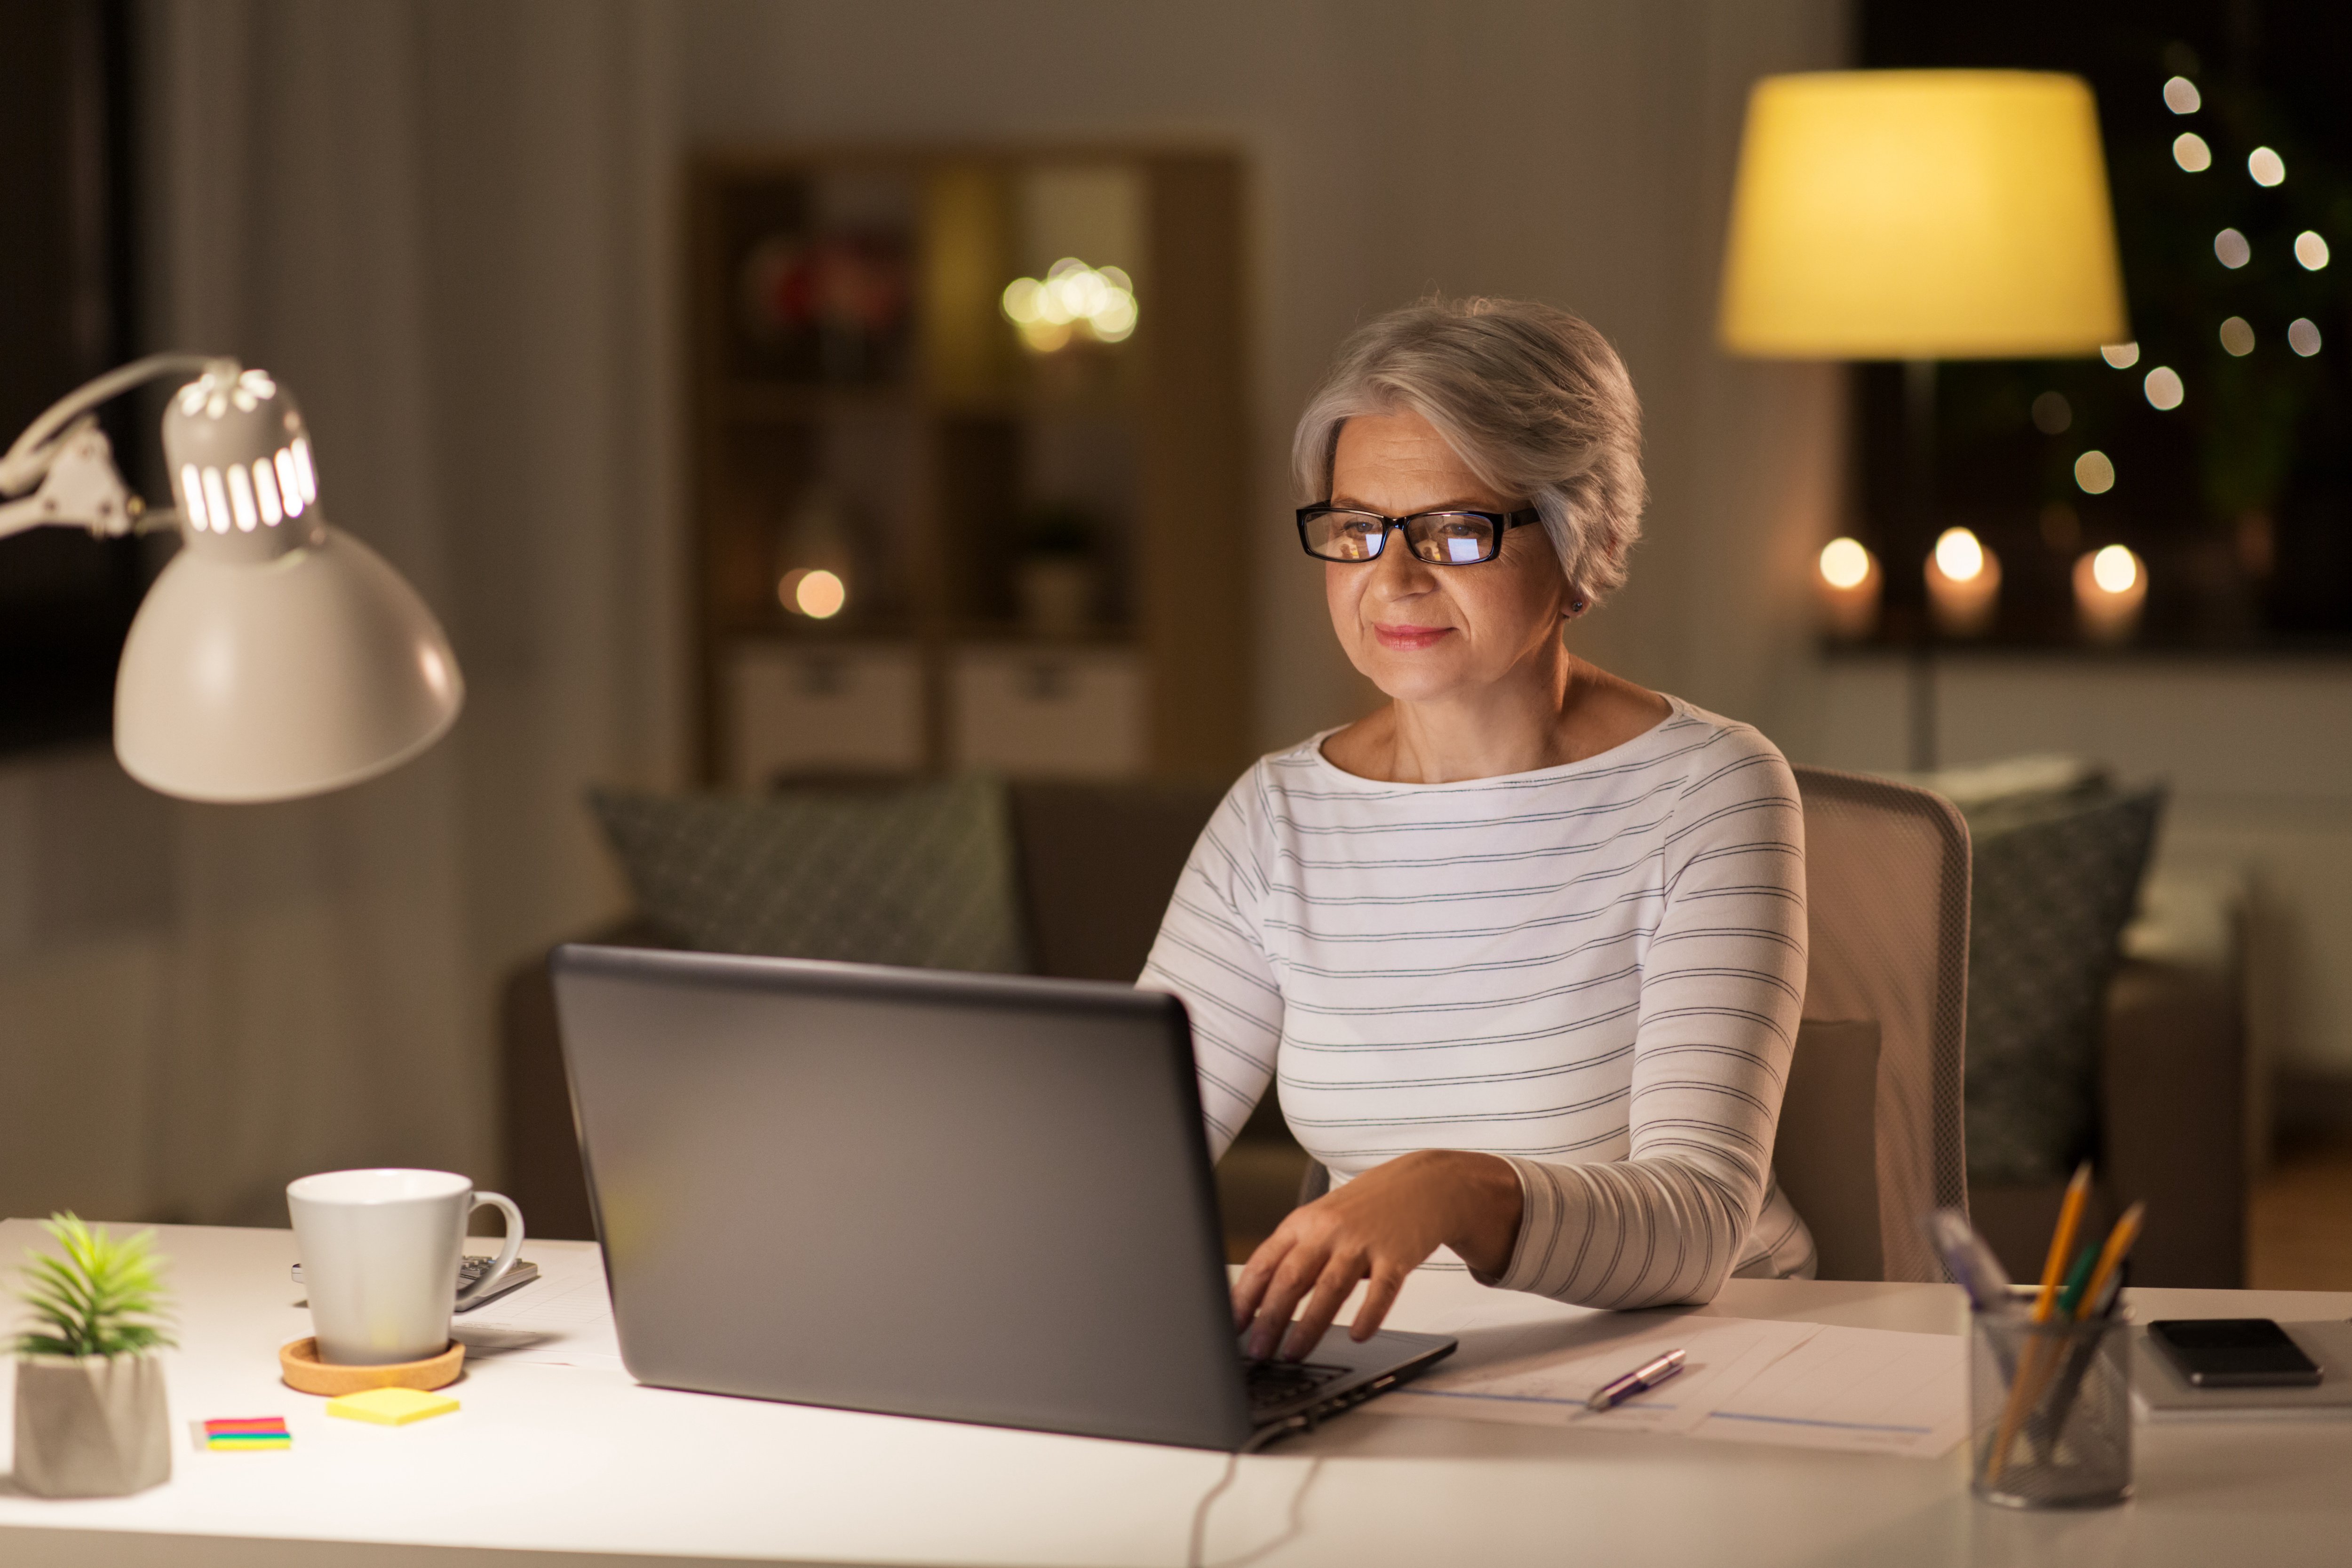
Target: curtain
[(447, 227)]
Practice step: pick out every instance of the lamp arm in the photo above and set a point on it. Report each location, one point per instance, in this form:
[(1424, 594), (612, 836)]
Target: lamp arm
[(31, 456)]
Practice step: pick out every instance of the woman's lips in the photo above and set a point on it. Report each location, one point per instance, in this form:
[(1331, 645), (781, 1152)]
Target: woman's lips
[(1410, 637)]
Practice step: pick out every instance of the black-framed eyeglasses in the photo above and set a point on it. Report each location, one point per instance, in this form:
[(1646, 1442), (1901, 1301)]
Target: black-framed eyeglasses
[(1440, 537)]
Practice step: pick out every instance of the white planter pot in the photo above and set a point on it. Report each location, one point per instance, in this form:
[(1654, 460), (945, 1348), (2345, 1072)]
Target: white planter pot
[(91, 1426)]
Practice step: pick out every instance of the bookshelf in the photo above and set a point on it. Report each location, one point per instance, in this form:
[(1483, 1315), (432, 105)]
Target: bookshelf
[(929, 538)]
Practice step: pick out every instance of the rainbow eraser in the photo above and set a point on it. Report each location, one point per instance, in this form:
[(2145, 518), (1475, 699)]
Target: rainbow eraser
[(247, 1432)]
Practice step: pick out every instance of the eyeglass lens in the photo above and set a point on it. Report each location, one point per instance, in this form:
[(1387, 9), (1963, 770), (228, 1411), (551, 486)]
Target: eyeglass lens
[(1440, 537)]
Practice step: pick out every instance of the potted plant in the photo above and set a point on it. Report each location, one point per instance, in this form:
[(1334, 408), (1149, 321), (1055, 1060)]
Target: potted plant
[(90, 1414)]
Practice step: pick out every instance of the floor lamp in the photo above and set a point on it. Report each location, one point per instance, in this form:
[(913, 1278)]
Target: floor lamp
[(275, 657), (1921, 215)]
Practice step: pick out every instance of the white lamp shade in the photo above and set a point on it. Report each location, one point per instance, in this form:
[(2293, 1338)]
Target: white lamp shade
[(246, 681)]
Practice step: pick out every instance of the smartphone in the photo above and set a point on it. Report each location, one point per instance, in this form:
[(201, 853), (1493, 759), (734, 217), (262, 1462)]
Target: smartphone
[(2234, 1352)]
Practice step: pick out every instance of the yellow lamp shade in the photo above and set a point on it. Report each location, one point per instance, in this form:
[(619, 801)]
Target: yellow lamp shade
[(1921, 215)]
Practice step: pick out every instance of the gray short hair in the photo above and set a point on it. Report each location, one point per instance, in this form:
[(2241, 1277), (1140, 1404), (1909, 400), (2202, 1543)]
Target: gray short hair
[(1532, 398)]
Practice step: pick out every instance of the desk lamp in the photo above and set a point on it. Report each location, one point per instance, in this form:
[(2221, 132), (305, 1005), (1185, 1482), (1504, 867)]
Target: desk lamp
[(1919, 215), (275, 657)]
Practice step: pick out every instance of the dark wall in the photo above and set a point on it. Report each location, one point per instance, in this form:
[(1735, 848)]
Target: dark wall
[(66, 599), (2241, 499)]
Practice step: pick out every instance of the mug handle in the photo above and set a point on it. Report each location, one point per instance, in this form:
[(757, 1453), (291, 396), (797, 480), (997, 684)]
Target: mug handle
[(505, 1254)]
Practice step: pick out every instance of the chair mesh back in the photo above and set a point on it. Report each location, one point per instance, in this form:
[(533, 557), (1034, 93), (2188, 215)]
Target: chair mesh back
[(1886, 874)]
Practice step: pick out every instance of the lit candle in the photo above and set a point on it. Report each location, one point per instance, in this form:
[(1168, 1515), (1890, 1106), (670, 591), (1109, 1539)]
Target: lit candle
[(1849, 582), (2110, 587), (814, 591), (1963, 584)]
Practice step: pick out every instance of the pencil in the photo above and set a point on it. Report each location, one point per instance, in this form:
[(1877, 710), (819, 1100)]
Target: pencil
[(2096, 1300), (2111, 1257), (2024, 1388), (2062, 1242)]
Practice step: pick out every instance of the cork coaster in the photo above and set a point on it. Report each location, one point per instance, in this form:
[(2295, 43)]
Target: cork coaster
[(298, 1361)]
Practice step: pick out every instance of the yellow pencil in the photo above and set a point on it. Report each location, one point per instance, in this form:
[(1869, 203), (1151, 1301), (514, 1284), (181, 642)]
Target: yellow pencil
[(2111, 1257), (2027, 1385), (2062, 1242)]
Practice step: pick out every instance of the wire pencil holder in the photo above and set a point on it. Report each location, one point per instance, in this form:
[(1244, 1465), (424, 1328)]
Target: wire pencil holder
[(2050, 1413)]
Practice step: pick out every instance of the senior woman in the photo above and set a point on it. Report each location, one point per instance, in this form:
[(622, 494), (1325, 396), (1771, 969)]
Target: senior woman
[(1525, 948)]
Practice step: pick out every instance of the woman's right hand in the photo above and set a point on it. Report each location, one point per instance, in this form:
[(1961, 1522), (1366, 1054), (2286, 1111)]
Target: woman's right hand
[(1379, 1226)]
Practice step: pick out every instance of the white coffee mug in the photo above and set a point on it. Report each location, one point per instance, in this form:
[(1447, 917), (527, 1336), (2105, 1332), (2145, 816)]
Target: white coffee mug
[(380, 1256)]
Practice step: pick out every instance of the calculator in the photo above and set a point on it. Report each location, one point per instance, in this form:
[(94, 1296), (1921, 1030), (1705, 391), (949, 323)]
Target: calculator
[(472, 1267)]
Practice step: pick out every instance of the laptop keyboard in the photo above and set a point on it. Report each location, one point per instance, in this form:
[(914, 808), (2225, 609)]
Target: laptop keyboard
[(1274, 1382)]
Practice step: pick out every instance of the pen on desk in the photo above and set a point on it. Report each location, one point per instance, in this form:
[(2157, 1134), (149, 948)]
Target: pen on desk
[(1640, 1380)]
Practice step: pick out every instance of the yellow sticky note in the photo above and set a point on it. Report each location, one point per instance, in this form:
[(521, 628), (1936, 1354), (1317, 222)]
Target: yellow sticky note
[(391, 1406)]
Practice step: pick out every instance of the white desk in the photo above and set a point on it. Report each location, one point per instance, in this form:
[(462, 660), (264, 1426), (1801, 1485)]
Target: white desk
[(581, 1465)]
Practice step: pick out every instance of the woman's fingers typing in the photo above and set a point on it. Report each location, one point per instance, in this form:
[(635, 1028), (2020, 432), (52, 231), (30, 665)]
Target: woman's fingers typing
[(1379, 1226), (1292, 1278), (1250, 1287), (1330, 1292), (1378, 1297)]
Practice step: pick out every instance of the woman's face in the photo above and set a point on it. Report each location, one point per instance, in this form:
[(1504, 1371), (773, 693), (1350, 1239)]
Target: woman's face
[(1423, 633)]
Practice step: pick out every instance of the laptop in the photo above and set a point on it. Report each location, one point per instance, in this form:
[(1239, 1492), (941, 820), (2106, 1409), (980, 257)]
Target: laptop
[(970, 1197)]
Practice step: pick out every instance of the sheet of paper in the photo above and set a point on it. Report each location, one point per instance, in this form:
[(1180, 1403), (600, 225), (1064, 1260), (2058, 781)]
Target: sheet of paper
[(1541, 1372), (564, 1317), (1866, 1390)]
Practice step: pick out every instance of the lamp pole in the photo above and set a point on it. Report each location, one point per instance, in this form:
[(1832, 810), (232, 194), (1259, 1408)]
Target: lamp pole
[(1920, 216), (1919, 527)]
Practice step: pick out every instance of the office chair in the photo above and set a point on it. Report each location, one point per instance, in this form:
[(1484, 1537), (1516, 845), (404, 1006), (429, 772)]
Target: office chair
[(1874, 1109)]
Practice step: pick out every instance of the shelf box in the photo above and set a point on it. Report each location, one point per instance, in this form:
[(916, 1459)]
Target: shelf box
[(1050, 712), (843, 707)]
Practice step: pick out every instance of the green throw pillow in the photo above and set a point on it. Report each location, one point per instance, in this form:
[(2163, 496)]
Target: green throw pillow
[(921, 875), (2055, 881)]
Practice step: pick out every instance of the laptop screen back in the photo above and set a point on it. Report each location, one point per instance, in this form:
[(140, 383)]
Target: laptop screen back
[(973, 1197)]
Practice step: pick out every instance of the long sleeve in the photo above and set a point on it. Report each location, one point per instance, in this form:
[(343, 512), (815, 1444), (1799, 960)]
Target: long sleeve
[(1721, 987), (1210, 953)]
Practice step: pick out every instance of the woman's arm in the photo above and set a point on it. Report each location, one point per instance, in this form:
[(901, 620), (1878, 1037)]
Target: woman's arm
[(1722, 985), (1209, 955)]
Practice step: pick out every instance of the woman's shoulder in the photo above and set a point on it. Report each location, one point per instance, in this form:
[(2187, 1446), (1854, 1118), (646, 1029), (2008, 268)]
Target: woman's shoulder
[(1727, 759), (1260, 795), (1300, 767)]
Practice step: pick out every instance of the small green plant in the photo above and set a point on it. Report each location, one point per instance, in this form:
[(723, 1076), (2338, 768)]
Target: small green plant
[(100, 1298)]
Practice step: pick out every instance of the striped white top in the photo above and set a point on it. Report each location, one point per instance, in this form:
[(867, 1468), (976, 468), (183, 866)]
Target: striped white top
[(1592, 970)]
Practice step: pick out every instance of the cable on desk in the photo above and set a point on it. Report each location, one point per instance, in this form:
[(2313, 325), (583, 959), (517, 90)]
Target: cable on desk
[(1200, 1539), (1258, 1439)]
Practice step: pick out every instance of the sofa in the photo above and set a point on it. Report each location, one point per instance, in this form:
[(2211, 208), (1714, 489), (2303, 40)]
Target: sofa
[(1095, 863)]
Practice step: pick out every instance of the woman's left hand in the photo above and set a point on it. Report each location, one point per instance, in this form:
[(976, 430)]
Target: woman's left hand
[(1381, 1225)]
